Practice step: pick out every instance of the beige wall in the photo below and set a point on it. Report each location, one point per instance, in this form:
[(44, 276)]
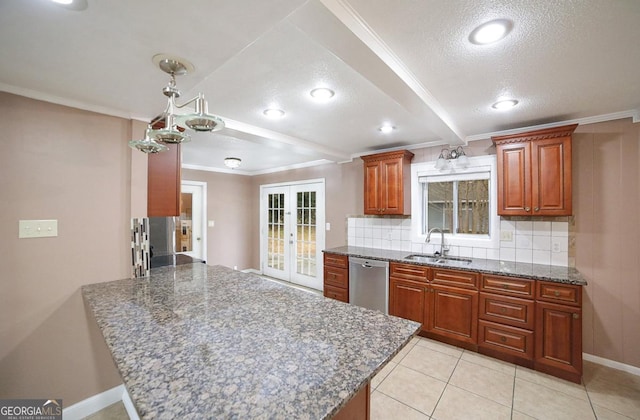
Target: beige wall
[(230, 204), (73, 166), (606, 185)]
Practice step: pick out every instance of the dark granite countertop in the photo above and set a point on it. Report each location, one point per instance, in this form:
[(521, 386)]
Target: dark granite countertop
[(195, 341), (530, 271)]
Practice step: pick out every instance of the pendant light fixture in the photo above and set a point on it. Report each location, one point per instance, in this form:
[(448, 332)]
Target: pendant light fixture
[(201, 120)]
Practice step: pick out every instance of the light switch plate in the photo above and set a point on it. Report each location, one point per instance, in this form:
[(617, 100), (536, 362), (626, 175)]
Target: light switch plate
[(37, 228), (328, 226), (211, 223)]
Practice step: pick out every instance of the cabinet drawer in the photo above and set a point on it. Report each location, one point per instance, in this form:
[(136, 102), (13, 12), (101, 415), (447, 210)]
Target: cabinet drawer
[(337, 277), (507, 310), (336, 260), (504, 339), (409, 271), (336, 293), (455, 278), (508, 286), (566, 294)]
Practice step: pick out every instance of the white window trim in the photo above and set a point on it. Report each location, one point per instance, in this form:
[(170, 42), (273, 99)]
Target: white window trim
[(476, 164)]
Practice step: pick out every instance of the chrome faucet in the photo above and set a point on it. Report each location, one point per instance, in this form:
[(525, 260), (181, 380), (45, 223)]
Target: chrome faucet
[(441, 239)]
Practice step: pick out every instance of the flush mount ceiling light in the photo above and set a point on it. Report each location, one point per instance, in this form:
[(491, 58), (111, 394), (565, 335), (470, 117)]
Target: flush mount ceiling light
[(232, 162), (77, 5), (447, 156), (273, 113), (504, 104), (386, 128), (201, 120), (490, 32), (322, 93)]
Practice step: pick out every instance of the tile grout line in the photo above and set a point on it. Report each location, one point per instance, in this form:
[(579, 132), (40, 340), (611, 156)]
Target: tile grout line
[(513, 392), (584, 385), (405, 404), (446, 385)]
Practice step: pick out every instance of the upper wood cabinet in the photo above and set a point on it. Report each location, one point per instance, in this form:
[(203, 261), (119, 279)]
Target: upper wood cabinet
[(534, 172), (163, 187), (387, 183)]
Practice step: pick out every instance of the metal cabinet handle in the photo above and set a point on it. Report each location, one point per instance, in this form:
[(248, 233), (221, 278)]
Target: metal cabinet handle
[(527, 209), (505, 286), (576, 316), (503, 338), (503, 310), (556, 293), (536, 209)]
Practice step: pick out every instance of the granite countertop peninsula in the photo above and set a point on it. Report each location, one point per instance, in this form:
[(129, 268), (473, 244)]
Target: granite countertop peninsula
[(552, 273), (195, 341)]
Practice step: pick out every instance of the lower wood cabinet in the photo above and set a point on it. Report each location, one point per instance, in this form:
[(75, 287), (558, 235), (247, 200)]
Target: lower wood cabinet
[(407, 299), (559, 340), (452, 313), (336, 276), (537, 324)]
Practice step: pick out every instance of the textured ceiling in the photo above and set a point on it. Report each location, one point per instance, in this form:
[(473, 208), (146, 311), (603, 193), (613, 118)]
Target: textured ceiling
[(405, 62)]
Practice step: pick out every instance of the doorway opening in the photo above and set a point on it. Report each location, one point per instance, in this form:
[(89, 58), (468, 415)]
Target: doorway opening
[(190, 232)]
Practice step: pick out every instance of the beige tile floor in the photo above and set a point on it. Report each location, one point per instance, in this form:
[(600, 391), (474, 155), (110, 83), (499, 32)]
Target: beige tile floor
[(432, 380)]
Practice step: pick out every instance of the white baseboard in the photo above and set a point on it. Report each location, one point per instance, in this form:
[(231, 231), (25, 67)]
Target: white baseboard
[(93, 404), (611, 363), (251, 270), (128, 405)]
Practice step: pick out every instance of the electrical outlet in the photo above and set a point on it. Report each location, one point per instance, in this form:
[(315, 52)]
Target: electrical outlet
[(506, 235), (211, 223)]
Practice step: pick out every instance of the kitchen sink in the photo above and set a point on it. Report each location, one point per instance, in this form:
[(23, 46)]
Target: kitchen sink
[(438, 259)]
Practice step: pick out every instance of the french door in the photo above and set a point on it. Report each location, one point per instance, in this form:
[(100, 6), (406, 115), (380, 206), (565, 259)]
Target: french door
[(292, 232)]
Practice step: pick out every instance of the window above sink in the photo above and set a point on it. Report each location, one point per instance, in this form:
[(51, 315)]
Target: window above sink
[(461, 201)]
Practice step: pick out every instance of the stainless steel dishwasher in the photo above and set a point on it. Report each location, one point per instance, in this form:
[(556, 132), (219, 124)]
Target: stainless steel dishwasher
[(369, 283)]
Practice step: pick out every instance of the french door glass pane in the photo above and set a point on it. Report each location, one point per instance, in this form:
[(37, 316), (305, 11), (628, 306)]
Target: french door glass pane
[(275, 234), (306, 233)]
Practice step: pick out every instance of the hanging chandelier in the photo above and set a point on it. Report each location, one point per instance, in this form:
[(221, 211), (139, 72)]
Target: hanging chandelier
[(170, 121)]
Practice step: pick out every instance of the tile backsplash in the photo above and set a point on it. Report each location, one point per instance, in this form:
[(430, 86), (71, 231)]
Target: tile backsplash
[(540, 241)]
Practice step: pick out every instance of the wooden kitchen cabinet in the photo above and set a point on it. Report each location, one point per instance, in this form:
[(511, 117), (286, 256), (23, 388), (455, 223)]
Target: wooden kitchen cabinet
[(444, 301), (407, 299), (452, 314), (387, 183), (507, 319), (559, 330), (163, 185), (336, 277), (534, 172)]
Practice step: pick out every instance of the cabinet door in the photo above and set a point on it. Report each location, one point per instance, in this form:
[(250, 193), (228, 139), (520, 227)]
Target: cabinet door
[(407, 299), (392, 200), (453, 313), (514, 179), (163, 187), (551, 172), (559, 340), (372, 185)]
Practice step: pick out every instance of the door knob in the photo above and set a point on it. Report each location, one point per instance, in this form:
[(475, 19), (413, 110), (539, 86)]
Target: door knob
[(197, 239)]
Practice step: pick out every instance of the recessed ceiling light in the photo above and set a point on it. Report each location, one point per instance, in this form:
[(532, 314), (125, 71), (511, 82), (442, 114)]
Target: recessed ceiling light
[(77, 5), (273, 113), (322, 93), (386, 128), (490, 32), (505, 104)]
